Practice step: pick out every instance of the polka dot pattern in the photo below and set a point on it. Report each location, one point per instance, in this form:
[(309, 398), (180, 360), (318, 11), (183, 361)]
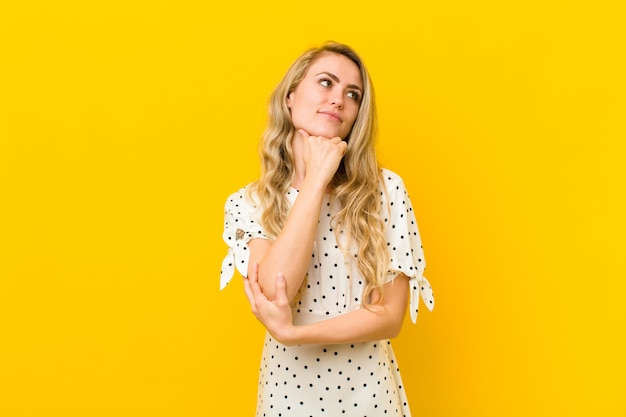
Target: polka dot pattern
[(315, 380), (330, 380)]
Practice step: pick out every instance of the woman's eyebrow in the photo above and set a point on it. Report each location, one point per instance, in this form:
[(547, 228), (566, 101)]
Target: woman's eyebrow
[(336, 79)]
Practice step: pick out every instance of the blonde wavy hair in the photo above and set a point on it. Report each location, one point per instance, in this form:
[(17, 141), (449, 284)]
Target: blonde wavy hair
[(355, 185)]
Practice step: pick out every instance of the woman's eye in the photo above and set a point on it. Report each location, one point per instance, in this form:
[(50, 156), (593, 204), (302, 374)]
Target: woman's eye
[(354, 95), (325, 82)]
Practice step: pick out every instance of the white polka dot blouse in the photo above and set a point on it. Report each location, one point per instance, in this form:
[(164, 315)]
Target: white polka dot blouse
[(361, 379)]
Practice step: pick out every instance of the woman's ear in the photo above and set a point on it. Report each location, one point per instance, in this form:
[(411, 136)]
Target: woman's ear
[(289, 100)]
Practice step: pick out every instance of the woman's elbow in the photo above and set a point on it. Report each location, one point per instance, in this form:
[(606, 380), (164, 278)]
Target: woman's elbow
[(394, 329), (396, 321), (393, 325)]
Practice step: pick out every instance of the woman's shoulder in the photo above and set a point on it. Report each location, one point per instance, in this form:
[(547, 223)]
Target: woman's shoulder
[(242, 198), (391, 179), (240, 192)]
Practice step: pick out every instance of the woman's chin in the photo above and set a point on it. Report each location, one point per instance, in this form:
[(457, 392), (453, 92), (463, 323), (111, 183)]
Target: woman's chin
[(327, 133)]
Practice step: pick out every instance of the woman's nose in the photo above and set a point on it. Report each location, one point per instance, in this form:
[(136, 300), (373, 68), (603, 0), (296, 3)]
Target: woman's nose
[(337, 100)]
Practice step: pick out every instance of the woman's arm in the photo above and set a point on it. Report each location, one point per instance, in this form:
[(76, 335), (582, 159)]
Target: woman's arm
[(291, 252), (383, 321)]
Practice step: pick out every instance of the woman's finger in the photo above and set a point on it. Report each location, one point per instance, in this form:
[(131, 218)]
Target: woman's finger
[(304, 133), (253, 280), (249, 295), (336, 139), (281, 290), (251, 285)]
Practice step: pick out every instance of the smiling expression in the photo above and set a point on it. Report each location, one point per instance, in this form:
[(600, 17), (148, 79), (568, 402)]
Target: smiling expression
[(327, 100)]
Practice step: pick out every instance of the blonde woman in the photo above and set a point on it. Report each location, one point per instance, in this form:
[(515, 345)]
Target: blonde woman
[(330, 247)]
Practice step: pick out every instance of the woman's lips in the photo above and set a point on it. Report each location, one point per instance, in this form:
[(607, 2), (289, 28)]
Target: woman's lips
[(331, 115)]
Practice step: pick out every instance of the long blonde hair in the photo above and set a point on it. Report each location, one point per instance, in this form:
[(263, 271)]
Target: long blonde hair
[(356, 185)]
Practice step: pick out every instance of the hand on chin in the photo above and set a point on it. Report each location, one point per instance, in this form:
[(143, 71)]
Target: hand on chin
[(321, 131)]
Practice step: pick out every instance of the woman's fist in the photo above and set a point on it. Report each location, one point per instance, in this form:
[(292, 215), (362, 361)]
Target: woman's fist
[(322, 156)]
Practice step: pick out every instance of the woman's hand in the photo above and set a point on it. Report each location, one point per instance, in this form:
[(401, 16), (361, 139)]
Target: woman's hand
[(275, 314), (322, 156)]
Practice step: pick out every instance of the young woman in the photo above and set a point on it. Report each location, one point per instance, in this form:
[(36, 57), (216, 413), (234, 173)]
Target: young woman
[(330, 246)]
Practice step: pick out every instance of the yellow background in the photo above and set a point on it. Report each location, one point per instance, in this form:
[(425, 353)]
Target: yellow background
[(124, 126)]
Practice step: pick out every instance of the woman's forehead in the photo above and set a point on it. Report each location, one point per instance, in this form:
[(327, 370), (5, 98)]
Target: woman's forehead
[(339, 65)]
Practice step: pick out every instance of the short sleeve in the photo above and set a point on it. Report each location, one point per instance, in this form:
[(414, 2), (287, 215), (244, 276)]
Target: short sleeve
[(403, 240), (240, 227)]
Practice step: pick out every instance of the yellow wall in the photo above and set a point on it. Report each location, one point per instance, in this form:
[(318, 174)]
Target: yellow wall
[(124, 126)]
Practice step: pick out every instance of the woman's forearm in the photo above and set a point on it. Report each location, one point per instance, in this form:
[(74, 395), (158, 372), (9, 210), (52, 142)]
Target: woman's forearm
[(290, 253), (381, 321), (357, 326), (318, 158)]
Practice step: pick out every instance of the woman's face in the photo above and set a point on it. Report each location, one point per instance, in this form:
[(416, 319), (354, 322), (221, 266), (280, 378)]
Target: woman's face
[(327, 100)]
